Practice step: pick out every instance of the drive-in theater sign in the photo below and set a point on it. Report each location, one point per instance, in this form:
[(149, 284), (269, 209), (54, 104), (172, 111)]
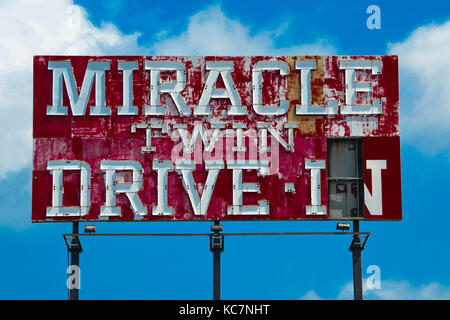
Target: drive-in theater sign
[(126, 138)]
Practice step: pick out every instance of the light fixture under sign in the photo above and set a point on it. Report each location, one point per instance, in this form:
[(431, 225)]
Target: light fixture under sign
[(90, 229), (343, 226)]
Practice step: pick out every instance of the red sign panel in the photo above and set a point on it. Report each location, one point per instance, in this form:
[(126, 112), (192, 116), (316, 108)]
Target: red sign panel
[(216, 138)]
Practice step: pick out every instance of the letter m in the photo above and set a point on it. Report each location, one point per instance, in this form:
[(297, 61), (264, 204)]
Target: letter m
[(78, 102)]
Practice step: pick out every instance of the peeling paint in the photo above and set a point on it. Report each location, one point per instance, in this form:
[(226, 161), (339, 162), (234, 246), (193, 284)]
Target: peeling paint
[(284, 190)]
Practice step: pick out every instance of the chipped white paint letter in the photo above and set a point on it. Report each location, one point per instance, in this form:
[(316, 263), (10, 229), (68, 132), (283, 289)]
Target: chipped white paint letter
[(306, 108), (130, 189), (127, 68), (224, 68), (162, 167), (199, 204), (57, 168), (78, 103), (352, 87), (315, 208), (173, 88), (239, 187), (257, 82)]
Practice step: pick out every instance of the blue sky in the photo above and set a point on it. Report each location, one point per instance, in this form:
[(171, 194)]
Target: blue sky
[(411, 254)]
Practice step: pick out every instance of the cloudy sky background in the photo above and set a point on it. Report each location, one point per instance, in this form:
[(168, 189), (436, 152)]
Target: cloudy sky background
[(411, 254)]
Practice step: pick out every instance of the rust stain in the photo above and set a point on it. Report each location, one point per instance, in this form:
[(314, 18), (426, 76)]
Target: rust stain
[(307, 125), (95, 139)]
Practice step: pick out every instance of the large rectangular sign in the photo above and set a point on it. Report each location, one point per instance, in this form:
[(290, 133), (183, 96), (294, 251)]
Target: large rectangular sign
[(216, 138)]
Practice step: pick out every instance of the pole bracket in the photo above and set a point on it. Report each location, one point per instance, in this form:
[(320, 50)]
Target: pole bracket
[(73, 243), (216, 242), (356, 242)]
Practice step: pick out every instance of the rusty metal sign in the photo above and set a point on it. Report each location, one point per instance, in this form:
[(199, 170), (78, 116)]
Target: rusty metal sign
[(126, 138)]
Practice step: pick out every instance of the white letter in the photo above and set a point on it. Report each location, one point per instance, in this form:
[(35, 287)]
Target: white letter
[(200, 130), (57, 168), (240, 187), (264, 127), (148, 134), (374, 201), (200, 205), (127, 108), (174, 89), (163, 168), (130, 189), (239, 130), (224, 68), (315, 208), (78, 104), (258, 68), (352, 87), (305, 67)]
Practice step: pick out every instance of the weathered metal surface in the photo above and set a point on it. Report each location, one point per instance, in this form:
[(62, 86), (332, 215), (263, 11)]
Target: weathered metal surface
[(115, 141)]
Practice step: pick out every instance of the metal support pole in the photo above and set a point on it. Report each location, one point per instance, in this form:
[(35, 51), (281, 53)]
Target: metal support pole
[(74, 249), (216, 246), (356, 247)]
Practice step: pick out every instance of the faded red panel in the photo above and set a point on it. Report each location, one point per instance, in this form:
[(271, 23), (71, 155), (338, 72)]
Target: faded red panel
[(96, 138), (385, 88), (387, 149), (290, 167), (41, 194)]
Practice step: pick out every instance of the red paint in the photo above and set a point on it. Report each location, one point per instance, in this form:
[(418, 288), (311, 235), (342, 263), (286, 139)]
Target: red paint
[(386, 148), (93, 139)]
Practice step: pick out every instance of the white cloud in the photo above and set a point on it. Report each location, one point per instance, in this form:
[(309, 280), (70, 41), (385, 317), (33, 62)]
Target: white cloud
[(310, 295), (30, 28), (55, 27), (211, 32), (58, 27), (398, 290), (424, 87), (15, 201)]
